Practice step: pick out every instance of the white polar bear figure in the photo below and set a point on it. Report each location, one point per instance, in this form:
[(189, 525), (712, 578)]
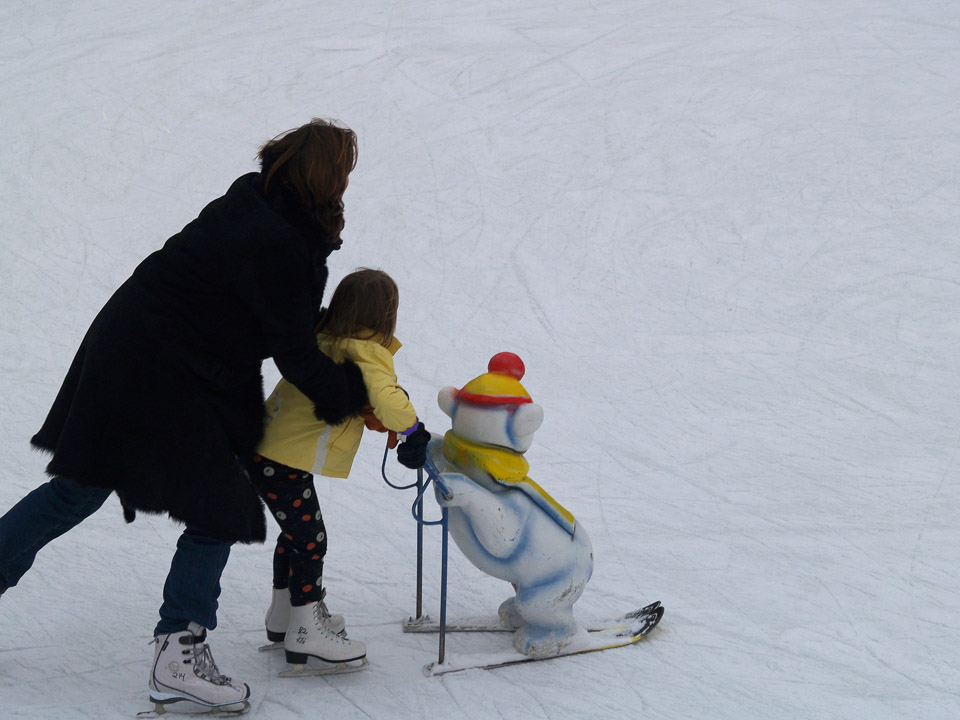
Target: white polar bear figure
[(500, 519)]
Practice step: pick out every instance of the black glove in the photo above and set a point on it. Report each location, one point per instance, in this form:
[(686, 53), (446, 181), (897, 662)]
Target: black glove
[(412, 452)]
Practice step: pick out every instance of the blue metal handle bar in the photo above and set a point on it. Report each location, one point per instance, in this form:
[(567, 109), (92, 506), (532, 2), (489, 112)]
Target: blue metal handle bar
[(383, 472), (431, 468), (432, 474)]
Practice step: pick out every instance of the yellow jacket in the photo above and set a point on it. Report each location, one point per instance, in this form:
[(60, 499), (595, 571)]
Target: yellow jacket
[(295, 437)]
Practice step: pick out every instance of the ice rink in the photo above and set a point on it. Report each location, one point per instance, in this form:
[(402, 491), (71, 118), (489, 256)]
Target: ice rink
[(721, 235)]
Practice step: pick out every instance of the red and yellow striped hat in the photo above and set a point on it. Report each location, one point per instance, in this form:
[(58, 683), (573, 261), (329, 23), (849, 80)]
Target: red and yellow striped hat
[(500, 385)]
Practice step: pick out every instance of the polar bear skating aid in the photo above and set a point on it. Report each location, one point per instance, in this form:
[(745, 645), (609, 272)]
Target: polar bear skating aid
[(503, 521)]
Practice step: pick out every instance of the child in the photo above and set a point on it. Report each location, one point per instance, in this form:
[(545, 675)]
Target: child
[(358, 325)]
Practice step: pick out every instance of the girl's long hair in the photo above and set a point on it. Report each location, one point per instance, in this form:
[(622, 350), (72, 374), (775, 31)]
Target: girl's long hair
[(363, 306), (313, 163)]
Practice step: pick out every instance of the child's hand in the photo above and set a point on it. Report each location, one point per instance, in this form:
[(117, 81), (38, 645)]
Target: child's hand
[(413, 452), (373, 423)]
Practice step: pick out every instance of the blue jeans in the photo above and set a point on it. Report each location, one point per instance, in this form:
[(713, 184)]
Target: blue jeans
[(193, 584)]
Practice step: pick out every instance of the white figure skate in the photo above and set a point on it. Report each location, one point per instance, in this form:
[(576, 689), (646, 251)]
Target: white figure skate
[(184, 670), (278, 618), (310, 635)]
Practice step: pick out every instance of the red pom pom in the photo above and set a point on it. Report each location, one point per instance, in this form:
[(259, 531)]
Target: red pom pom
[(506, 363)]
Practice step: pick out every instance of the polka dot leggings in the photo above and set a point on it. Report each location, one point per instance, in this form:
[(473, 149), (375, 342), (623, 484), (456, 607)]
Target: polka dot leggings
[(302, 544)]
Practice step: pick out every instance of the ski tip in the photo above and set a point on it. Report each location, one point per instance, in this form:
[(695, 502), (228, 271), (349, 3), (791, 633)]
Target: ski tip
[(639, 625), (645, 610), (651, 620)]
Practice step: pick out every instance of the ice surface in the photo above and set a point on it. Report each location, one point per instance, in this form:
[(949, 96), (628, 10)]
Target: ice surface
[(722, 236)]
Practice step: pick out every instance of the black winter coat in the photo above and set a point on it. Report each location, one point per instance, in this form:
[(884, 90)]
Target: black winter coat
[(166, 390)]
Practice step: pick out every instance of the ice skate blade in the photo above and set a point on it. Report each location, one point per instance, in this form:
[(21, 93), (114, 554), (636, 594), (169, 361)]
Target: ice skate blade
[(302, 670), (190, 708)]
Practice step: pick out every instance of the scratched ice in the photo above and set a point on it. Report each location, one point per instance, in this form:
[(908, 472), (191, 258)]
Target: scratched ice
[(722, 236)]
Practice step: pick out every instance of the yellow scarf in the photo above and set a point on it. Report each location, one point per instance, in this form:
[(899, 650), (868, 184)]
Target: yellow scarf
[(508, 468)]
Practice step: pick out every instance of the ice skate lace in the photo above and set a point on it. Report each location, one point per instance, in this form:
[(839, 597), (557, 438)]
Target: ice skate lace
[(204, 666), (320, 616), (322, 608)]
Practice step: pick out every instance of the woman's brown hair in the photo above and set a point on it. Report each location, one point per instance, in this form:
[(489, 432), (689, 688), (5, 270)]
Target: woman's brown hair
[(363, 306), (313, 162)]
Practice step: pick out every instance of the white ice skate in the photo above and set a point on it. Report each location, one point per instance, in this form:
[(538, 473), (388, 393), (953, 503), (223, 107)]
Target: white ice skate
[(310, 635), (278, 618), (184, 670)]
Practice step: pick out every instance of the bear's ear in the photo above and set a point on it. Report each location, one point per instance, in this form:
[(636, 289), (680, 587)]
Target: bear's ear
[(527, 419), (447, 400)]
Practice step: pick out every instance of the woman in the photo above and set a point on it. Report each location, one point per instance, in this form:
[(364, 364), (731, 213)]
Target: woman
[(166, 391)]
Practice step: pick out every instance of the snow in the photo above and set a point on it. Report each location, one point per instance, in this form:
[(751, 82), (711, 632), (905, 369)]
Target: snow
[(721, 235)]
